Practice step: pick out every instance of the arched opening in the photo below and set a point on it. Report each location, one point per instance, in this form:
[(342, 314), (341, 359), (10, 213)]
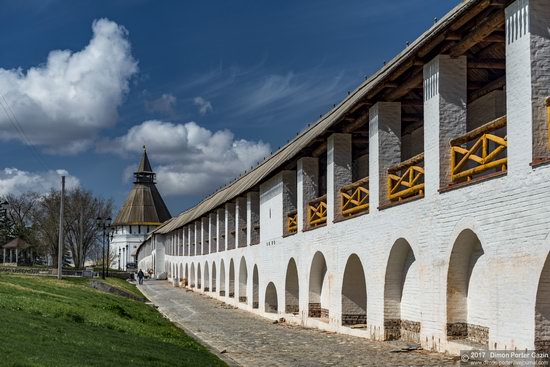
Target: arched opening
[(231, 279), (192, 279), (187, 280), (271, 298), (402, 294), (466, 291), (222, 279), (255, 288), (318, 288), (199, 278), (292, 289), (354, 293), (243, 280), (542, 310), (206, 277), (213, 277)]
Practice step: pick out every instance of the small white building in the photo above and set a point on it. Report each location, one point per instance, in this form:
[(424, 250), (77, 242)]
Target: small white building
[(142, 212)]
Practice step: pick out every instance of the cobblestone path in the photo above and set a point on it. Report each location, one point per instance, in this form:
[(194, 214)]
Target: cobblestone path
[(250, 340)]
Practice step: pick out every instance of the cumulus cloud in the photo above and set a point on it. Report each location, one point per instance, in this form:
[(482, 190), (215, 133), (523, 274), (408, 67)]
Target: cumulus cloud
[(165, 104), (16, 181), (62, 104), (192, 160), (203, 105)]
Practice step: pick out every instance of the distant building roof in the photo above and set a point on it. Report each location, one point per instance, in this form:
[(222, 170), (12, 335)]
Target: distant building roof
[(144, 205), (16, 243)]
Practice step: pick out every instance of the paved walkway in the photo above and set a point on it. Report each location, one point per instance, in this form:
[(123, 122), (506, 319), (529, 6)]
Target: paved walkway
[(250, 340)]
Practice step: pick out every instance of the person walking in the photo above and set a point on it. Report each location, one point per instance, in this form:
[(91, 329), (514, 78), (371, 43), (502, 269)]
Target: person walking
[(140, 276)]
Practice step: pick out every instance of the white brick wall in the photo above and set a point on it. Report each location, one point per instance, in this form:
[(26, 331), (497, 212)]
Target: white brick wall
[(405, 250)]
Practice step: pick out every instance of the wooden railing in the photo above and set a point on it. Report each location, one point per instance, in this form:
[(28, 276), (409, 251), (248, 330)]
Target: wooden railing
[(406, 179), (292, 222), (355, 197), (487, 152), (317, 211)]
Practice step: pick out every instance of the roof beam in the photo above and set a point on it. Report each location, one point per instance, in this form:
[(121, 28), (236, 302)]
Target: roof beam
[(478, 34), (487, 64)]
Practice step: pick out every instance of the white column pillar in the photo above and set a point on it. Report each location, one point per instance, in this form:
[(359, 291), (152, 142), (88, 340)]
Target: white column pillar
[(384, 149), (339, 172), (308, 187), (445, 117), (527, 82)]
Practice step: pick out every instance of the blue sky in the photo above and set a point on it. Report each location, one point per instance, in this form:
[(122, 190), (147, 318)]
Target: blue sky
[(210, 87)]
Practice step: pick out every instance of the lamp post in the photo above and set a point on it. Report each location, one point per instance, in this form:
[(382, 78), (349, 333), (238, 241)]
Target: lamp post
[(103, 224), (109, 239)]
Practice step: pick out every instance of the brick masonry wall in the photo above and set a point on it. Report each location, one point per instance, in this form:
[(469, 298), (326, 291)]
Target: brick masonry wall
[(508, 215)]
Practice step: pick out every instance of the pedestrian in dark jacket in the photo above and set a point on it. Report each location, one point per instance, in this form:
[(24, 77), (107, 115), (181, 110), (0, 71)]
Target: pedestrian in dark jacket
[(140, 276)]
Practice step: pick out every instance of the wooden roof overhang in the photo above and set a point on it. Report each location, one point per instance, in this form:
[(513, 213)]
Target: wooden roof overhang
[(473, 28)]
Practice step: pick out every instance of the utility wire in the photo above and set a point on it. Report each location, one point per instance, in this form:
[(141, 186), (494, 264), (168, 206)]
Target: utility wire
[(12, 118)]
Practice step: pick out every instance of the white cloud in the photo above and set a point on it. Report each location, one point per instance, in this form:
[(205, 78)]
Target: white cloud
[(192, 160), (203, 105), (16, 181), (62, 104), (164, 104)]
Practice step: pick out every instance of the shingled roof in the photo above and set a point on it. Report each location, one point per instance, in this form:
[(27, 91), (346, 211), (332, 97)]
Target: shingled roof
[(144, 205), (427, 41)]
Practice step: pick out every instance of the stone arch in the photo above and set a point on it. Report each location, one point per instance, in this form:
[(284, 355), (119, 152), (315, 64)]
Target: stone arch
[(255, 288), (231, 279), (318, 288), (222, 279), (465, 287), (292, 288), (206, 277), (354, 293), (243, 280), (542, 310), (213, 276), (192, 279), (402, 309), (199, 277), (271, 304)]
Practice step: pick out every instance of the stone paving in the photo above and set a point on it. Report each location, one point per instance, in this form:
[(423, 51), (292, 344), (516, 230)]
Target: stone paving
[(250, 340)]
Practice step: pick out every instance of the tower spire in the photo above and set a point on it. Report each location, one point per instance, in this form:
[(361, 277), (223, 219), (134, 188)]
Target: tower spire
[(144, 173)]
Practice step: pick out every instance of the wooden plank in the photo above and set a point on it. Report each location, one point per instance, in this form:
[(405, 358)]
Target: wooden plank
[(409, 162), (476, 133), (478, 34), (487, 64)]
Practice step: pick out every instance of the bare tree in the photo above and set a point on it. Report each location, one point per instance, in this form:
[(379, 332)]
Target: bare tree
[(82, 210), (45, 217), (21, 207)]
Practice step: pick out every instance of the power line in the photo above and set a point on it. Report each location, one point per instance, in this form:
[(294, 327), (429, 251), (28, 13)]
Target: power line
[(12, 118)]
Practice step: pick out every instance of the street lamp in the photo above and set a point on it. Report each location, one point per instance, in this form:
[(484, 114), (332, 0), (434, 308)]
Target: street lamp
[(104, 224)]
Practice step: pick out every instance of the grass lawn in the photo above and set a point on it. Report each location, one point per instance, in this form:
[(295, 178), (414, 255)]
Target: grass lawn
[(46, 322), (120, 283)]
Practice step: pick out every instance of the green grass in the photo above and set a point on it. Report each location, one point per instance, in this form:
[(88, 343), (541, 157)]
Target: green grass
[(46, 322), (124, 285)]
